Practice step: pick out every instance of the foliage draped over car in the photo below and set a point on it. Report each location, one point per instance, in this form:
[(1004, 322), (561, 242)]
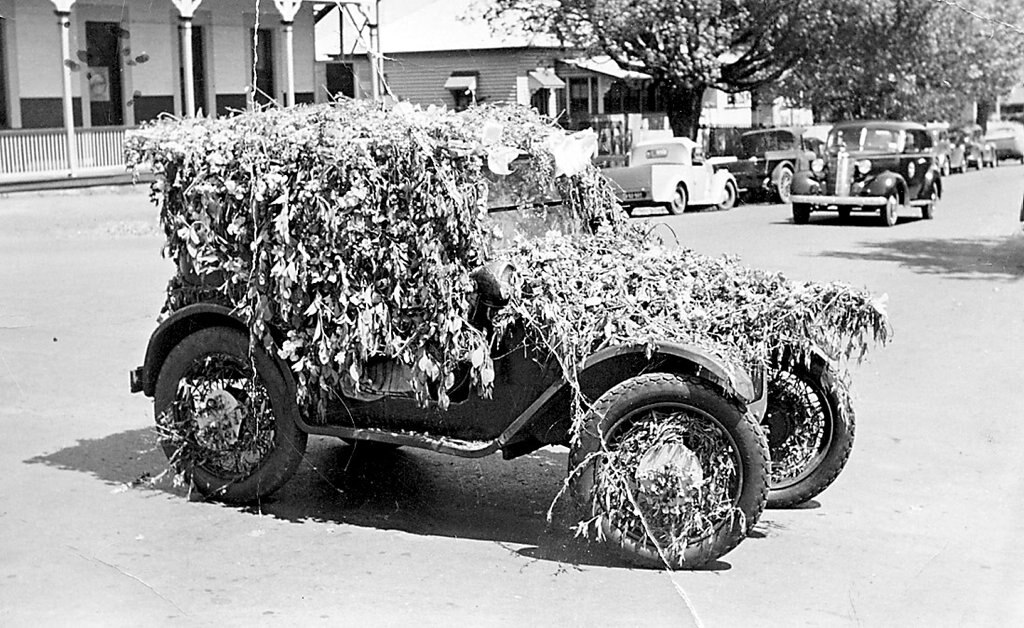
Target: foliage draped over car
[(351, 233), (686, 46), (349, 229), (910, 59)]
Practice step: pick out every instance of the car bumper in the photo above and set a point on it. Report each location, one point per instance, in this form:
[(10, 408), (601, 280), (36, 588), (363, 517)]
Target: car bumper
[(821, 199)]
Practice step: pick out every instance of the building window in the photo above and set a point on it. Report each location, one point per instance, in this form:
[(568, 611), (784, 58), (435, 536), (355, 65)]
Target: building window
[(5, 121), (737, 100), (462, 86), (579, 97)]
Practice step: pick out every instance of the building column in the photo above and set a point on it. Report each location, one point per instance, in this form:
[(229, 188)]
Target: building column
[(189, 90), (186, 11), (288, 9), (63, 11)]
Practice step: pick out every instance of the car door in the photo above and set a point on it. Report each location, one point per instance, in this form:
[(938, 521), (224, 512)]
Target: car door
[(916, 161), (700, 178)]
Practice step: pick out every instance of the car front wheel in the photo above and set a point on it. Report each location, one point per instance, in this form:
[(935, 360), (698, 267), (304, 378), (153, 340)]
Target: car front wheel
[(890, 211), (801, 213), (670, 471), (225, 417), (784, 186)]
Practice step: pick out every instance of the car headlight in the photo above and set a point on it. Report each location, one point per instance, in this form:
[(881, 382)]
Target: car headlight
[(864, 166), (817, 165)]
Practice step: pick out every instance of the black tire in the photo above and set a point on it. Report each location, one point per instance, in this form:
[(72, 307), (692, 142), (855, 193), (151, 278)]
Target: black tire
[(731, 194), (810, 427), (928, 211), (844, 214), (268, 445), (801, 213), (890, 212), (676, 405), (783, 191), (680, 201)]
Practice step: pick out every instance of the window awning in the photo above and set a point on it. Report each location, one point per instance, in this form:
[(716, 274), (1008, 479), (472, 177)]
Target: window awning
[(461, 83), (545, 78), (607, 67)]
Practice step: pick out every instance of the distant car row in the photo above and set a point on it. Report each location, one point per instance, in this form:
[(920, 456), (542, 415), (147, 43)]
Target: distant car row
[(874, 165)]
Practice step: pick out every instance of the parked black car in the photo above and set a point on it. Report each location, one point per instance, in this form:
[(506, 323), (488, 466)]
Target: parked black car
[(871, 165), (766, 160)]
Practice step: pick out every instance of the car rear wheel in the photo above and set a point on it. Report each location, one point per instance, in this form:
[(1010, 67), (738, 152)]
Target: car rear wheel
[(225, 417), (810, 429), (730, 197), (669, 470), (680, 200), (890, 211), (801, 213)]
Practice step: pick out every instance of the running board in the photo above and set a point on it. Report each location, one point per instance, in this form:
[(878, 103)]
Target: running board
[(920, 203), (450, 446)]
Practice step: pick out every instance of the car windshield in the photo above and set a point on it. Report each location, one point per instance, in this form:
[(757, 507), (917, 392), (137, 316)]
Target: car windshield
[(757, 144), (865, 138)]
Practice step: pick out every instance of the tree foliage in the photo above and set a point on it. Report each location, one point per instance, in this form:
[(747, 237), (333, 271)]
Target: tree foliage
[(909, 59), (687, 46)]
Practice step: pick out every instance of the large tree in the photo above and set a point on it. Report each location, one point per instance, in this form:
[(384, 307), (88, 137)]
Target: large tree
[(687, 46), (909, 59)]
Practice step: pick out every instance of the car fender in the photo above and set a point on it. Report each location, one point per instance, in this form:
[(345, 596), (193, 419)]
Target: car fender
[(183, 322), (550, 414), (719, 180), (885, 183), (804, 182), (932, 180)]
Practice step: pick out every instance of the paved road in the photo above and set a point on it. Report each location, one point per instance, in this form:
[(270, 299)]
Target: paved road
[(920, 529)]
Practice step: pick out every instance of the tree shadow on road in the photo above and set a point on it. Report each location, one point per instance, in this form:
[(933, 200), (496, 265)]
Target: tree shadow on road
[(410, 490), (999, 259)]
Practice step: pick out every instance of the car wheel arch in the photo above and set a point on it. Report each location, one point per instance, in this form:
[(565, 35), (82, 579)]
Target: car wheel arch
[(552, 420), (185, 322)]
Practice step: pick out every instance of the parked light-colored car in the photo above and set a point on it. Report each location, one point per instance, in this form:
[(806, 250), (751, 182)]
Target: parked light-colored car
[(1007, 138), (672, 174), (970, 149)]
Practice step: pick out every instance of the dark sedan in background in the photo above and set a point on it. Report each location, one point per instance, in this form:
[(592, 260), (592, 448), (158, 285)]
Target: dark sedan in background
[(766, 160)]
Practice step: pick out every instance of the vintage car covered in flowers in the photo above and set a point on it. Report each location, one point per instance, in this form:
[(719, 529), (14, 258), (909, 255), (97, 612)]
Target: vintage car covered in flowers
[(467, 284), (766, 160), (872, 165), (672, 174)]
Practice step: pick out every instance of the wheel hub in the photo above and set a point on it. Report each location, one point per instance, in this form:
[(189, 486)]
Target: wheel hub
[(669, 466), (221, 408)]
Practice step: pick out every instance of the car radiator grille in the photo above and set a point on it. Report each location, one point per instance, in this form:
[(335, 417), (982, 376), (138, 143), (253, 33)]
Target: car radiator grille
[(842, 165)]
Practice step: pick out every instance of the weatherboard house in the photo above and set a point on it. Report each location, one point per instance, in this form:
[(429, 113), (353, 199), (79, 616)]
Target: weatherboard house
[(75, 74)]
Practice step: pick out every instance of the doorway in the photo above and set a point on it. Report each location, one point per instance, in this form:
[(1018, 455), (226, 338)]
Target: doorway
[(198, 70), (265, 92), (103, 57), (5, 122)]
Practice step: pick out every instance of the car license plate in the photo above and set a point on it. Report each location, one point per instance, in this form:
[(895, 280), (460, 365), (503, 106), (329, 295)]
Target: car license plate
[(633, 195)]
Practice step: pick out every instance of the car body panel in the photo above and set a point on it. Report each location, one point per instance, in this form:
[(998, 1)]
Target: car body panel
[(657, 168)]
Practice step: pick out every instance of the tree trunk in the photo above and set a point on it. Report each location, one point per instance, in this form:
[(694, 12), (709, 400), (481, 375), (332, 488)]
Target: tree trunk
[(684, 108)]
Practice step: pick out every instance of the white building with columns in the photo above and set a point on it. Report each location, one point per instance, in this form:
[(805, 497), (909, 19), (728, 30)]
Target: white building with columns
[(75, 74)]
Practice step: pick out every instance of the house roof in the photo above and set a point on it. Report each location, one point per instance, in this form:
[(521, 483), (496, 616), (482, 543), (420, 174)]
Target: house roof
[(440, 25), (605, 65)]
